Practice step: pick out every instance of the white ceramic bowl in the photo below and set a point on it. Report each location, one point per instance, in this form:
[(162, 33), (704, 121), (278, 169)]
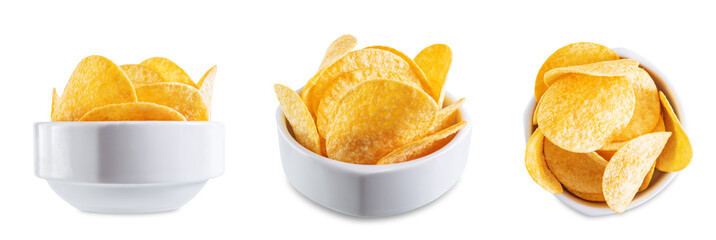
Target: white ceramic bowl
[(128, 166), (373, 190), (659, 180)]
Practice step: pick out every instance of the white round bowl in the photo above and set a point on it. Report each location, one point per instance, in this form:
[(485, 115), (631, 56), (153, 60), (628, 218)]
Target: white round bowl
[(373, 190), (128, 166), (659, 180)]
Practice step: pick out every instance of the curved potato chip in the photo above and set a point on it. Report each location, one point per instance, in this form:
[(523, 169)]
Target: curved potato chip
[(140, 74), (647, 109), (536, 165), (181, 97), (594, 197), (133, 111), (301, 121), (96, 82), (446, 116), (580, 113), (435, 62), (338, 48), (647, 179), (422, 147), (614, 68), (607, 151), (535, 114), (571, 55), (577, 171), (375, 117), (416, 71), (55, 102), (628, 167), (206, 87), (170, 71), (677, 153), (315, 89)]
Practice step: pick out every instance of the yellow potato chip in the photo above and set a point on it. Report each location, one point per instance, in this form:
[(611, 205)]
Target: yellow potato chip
[(594, 197), (446, 116), (578, 171), (206, 86), (677, 153), (375, 117), (628, 167), (416, 71), (435, 62), (140, 74), (535, 114), (181, 97), (133, 111), (55, 102), (647, 179), (607, 151), (571, 55), (301, 121), (647, 109), (660, 127), (580, 113), (422, 147), (536, 165), (96, 82), (315, 89), (170, 71), (338, 48), (614, 68)]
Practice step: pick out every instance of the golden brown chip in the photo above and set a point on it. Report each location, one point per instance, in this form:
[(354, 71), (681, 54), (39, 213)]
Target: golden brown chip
[(571, 55), (170, 71), (677, 152), (206, 87), (435, 62), (580, 113), (647, 179), (578, 171), (594, 197), (133, 111), (536, 165), (647, 109), (535, 114), (628, 168), (615, 68), (422, 147), (338, 48), (660, 127), (55, 102), (140, 74), (181, 97), (304, 129), (96, 82), (375, 117), (446, 116)]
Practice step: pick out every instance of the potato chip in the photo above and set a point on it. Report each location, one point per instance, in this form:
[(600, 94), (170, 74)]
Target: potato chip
[(647, 179), (615, 68), (594, 197), (375, 117), (607, 151), (315, 89), (301, 121), (416, 71), (446, 116), (580, 113), (139, 74), (647, 109), (170, 71), (55, 102), (660, 127), (571, 55), (628, 167), (677, 152), (535, 114), (536, 165), (181, 97), (338, 48), (422, 147), (435, 62), (96, 82), (578, 171), (133, 111), (206, 86)]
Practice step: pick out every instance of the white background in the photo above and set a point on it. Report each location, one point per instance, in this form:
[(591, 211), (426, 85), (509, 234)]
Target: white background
[(497, 48)]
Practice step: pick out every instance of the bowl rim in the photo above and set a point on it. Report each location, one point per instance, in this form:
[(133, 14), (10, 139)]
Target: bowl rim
[(362, 169)]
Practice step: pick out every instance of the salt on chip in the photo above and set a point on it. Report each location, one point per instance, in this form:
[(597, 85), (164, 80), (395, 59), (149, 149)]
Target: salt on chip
[(375, 117), (536, 165), (181, 97), (170, 71), (614, 68), (580, 113), (338, 48), (677, 152), (96, 82), (446, 116), (578, 171), (571, 55), (301, 121), (435, 62), (140, 74), (206, 86), (133, 111), (647, 109), (626, 170), (422, 147)]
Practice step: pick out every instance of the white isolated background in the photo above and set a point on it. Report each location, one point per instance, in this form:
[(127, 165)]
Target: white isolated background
[(498, 48)]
